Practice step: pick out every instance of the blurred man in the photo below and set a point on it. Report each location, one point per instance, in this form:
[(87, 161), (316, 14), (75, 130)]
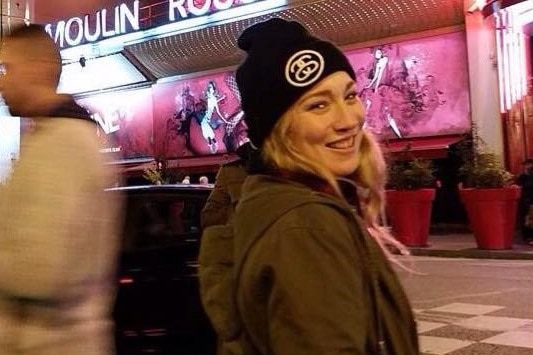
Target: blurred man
[(57, 225)]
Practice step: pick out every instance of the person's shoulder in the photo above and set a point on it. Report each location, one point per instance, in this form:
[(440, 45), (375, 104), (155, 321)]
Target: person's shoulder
[(235, 168), (64, 123), (272, 194), (233, 162), (312, 224), (75, 133), (320, 213)]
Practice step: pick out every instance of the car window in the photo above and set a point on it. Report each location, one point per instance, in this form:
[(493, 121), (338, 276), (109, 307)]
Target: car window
[(157, 221)]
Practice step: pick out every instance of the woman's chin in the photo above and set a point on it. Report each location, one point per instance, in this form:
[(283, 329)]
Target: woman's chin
[(341, 172)]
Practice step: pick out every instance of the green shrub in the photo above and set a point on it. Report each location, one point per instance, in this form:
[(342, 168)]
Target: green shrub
[(481, 168), (410, 174)]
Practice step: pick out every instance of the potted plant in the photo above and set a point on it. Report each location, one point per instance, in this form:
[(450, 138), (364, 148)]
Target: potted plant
[(410, 194), (160, 173), (488, 194), (156, 174)]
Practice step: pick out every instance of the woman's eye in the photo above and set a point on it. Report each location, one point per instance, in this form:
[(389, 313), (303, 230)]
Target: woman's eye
[(317, 106), (351, 96)]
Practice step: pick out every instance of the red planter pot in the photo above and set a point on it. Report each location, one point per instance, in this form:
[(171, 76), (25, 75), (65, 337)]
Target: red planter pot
[(410, 215), (492, 215)]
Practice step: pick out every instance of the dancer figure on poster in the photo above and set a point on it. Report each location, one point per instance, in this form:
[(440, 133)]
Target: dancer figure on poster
[(380, 117), (186, 112), (378, 70), (207, 124)]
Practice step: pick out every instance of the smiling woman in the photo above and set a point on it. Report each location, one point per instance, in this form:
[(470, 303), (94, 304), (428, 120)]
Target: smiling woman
[(308, 270), (325, 125)]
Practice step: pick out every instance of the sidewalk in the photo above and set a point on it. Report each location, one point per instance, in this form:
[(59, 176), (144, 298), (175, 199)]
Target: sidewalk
[(463, 245)]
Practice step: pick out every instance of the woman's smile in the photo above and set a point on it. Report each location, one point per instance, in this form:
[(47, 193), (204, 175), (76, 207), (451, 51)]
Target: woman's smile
[(343, 144)]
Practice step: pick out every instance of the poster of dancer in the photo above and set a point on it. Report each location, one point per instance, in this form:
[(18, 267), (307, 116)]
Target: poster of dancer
[(415, 88), (124, 120), (196, 117)]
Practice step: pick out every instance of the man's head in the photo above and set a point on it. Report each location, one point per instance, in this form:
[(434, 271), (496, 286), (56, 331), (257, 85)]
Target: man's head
[(32, 67)]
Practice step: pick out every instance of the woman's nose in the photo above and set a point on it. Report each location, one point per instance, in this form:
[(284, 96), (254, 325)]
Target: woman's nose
[(349, 117)]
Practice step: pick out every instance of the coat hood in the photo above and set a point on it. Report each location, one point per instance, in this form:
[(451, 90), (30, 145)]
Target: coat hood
[(262, 196)]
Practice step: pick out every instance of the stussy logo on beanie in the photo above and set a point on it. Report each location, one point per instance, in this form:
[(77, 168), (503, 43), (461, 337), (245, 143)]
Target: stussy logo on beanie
[(304, 68)]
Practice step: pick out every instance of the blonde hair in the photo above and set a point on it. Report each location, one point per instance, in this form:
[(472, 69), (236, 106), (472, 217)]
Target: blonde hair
[(370, 177)]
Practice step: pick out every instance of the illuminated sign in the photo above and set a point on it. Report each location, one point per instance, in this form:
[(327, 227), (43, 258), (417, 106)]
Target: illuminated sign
[(76, 30), (126, 18)]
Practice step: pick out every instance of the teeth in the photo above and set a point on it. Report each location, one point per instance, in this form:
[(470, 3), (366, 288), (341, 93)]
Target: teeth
[(345, 143)]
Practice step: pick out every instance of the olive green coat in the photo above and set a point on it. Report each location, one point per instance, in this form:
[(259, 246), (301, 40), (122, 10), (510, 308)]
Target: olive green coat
[(307, 285), (225, 195), (219, 210)]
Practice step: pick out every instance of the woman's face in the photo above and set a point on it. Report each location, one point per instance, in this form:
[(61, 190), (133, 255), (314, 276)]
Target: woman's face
[(327, 124)]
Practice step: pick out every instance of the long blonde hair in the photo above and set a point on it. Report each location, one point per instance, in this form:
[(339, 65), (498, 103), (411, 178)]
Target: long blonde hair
[(370, 177)]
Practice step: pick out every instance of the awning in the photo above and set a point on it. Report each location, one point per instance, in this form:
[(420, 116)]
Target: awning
[(204, 43), (434, 147)]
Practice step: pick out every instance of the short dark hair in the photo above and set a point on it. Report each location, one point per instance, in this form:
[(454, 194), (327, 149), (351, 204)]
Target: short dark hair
[(35, 32), (46, 49)]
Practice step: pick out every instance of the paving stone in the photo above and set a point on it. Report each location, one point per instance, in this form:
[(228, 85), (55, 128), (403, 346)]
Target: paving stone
[(440, 346), (513, 338), (468, 329), (501, 324), (490, 349), (424, 327), (441, 317), (467, 308), (456, 332)]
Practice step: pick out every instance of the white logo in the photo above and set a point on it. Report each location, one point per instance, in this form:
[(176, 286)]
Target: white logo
[(304, 68)]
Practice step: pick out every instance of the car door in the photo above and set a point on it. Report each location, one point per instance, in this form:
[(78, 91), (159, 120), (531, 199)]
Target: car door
[(158, 308)]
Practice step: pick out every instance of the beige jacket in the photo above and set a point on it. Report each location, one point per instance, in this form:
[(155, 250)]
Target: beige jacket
[(58, 239)]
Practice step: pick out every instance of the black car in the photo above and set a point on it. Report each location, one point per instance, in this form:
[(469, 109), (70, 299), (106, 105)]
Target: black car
[(158, 308)]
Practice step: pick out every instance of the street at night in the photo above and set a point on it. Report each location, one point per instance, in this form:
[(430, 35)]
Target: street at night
[(472, 306)]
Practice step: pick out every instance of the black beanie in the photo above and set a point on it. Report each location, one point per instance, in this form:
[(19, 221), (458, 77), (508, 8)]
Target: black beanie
[(283, 62)]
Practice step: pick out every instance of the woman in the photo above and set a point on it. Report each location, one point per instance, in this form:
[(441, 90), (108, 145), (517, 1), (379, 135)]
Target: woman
[(312, 276), (207, 123), (379, 66)]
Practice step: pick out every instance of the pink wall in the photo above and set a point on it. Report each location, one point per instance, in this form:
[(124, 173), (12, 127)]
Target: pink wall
[(423, 90), (125, 121), (184, 123)]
